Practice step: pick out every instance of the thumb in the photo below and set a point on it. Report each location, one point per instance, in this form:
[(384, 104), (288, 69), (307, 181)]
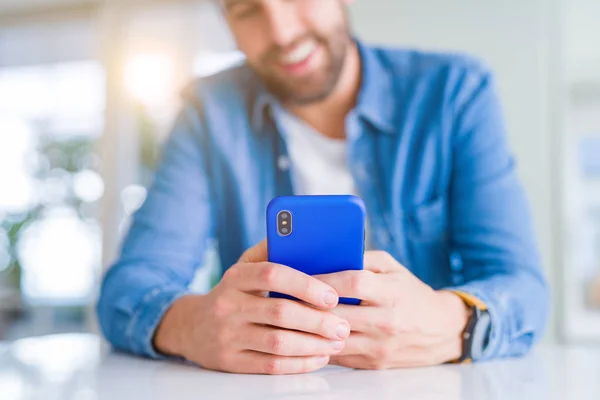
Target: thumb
[(256, 254)]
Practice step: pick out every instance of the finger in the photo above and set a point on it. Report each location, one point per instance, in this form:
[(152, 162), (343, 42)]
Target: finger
[(279, 278), (364, 319), (283, 342), (358, 344), (251, 362), (258, 253), (289, 314), (376, 322), (360, 353), (419, 356), (381, 262), (363, 285), (356, 362)]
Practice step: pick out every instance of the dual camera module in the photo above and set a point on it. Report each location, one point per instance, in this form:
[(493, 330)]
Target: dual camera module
[(284, 223)]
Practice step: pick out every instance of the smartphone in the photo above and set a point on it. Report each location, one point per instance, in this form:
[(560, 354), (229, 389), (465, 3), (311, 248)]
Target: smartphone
[(317, 234)]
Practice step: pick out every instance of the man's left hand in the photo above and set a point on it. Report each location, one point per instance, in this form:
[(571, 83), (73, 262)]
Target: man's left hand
[(401, 322)]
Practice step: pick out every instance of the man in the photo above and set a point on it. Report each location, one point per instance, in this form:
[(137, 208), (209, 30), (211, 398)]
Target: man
[(420, 137)]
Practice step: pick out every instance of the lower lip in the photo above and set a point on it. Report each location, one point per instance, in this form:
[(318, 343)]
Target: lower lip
[(301, 67)]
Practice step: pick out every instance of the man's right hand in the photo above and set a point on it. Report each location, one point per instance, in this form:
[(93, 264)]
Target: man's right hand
[(235, 328)]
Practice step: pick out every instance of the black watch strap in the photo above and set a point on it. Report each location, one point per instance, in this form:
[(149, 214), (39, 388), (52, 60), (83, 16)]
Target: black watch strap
[(476, 335), (467, 336)]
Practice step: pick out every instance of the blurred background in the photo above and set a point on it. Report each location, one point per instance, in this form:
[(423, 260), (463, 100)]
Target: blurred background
[(88, 89)]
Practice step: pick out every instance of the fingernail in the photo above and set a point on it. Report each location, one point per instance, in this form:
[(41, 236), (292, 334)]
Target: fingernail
[(330, 298), (323, 360), (342, 331), (337, 345)]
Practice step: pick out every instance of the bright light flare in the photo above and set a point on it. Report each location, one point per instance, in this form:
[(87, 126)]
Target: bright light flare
[(149, 79)]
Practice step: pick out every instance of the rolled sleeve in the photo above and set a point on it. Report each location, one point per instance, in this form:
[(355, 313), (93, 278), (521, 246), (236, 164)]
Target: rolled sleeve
[(511, 334), (144, 321)]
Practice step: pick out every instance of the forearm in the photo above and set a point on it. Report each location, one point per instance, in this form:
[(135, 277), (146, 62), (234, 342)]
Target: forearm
[(166, 243)]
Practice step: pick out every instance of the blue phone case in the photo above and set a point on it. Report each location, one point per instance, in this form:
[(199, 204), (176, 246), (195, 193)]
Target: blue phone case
[(327, 235)]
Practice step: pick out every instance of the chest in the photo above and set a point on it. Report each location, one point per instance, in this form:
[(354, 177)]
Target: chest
[(318, 164), (402, 180)]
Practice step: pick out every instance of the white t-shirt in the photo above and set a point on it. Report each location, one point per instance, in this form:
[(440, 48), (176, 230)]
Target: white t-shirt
[(319, 164)]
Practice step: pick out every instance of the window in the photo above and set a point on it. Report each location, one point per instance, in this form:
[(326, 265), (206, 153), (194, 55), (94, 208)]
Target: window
[(50, 239)]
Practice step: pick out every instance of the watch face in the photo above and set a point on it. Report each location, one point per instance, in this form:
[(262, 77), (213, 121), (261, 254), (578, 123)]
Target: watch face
[(481, 334)]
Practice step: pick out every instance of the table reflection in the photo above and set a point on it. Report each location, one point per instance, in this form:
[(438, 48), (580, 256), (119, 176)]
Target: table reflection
[(80, 367), (49, 368)]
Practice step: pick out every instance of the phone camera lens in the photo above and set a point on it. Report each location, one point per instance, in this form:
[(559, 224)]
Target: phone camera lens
[(284, 223)]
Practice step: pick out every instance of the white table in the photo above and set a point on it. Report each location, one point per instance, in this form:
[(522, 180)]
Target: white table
[(81, 367)]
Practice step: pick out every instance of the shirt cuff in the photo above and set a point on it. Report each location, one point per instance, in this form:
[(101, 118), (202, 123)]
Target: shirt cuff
[(473, 294), (144, 322)]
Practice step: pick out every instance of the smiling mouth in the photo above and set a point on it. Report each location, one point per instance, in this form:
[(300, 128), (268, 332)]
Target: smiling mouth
[(299, 54), (298, 61)]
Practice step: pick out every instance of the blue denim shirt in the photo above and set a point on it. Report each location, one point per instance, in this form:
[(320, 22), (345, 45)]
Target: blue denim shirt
[(428, 151)]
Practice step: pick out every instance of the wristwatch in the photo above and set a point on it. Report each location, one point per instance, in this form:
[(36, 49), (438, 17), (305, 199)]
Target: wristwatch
[(476, 335)]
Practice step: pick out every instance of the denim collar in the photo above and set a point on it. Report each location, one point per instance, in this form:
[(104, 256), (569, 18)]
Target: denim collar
[(377, 99)]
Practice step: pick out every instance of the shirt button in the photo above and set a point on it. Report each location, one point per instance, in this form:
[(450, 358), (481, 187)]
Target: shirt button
[(283, 163), (455, 262)]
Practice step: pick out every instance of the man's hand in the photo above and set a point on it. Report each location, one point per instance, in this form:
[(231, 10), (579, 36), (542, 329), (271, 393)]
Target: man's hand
[(401, 321), (235, 328)]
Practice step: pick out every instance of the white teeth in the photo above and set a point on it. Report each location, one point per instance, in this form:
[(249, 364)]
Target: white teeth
[(300, 53)]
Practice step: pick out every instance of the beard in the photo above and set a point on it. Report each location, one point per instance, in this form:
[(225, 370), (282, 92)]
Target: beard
[(318, 84)]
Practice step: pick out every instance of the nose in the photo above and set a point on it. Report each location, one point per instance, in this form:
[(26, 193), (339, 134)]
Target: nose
[(284, 21)]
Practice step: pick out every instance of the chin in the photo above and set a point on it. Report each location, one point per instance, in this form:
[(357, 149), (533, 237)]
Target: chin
[(309, 91), (312, 88), (308, 98)]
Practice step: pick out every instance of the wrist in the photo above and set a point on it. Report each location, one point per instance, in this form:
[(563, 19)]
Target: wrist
[(455, 311), (455, 315), (169, 338)]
